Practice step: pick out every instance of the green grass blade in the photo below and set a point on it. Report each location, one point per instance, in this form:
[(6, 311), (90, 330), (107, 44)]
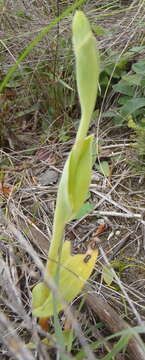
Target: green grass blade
[(121, 345), (58, 331), (124, 334), (37, 39)]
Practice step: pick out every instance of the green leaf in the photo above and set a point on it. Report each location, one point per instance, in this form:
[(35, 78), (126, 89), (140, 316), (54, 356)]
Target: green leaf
[(87, 68), (108, 114), (137, 49), (132, 105), (80, 172), (103, 79), (74, 271), (107, 274), (100, 30), (123, 88), (139, 67), (104, 168), (67, 336), (85, 209), (123, 100), (74, 184), (134, 79)]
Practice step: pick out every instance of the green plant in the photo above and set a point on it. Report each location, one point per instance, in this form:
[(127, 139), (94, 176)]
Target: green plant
[(126, 79), (68, 271), (128, 84), (139, 135), (132, 92)]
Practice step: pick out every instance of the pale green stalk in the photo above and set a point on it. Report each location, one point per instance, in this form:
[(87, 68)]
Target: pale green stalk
[(83, 128), (87, 73), (74, 183), (56, 241)]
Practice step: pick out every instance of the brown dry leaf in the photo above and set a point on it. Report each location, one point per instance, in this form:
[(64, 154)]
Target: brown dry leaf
[(44, 323), (45, 155), (67, 324), (6, 189), (101, 228)]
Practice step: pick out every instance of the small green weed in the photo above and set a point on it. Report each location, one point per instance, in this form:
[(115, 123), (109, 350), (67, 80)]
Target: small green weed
[(139, 136), (126, 79), (131, 89)]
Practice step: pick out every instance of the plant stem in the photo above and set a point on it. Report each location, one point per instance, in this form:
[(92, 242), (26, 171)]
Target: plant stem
[(54, 253), (83, 128)]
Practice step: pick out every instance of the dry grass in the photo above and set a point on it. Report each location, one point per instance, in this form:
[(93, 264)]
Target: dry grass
[(32, 157)]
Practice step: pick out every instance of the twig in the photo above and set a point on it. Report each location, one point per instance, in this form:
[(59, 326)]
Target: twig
[(114, 213), (115, 203), (128, 213)]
